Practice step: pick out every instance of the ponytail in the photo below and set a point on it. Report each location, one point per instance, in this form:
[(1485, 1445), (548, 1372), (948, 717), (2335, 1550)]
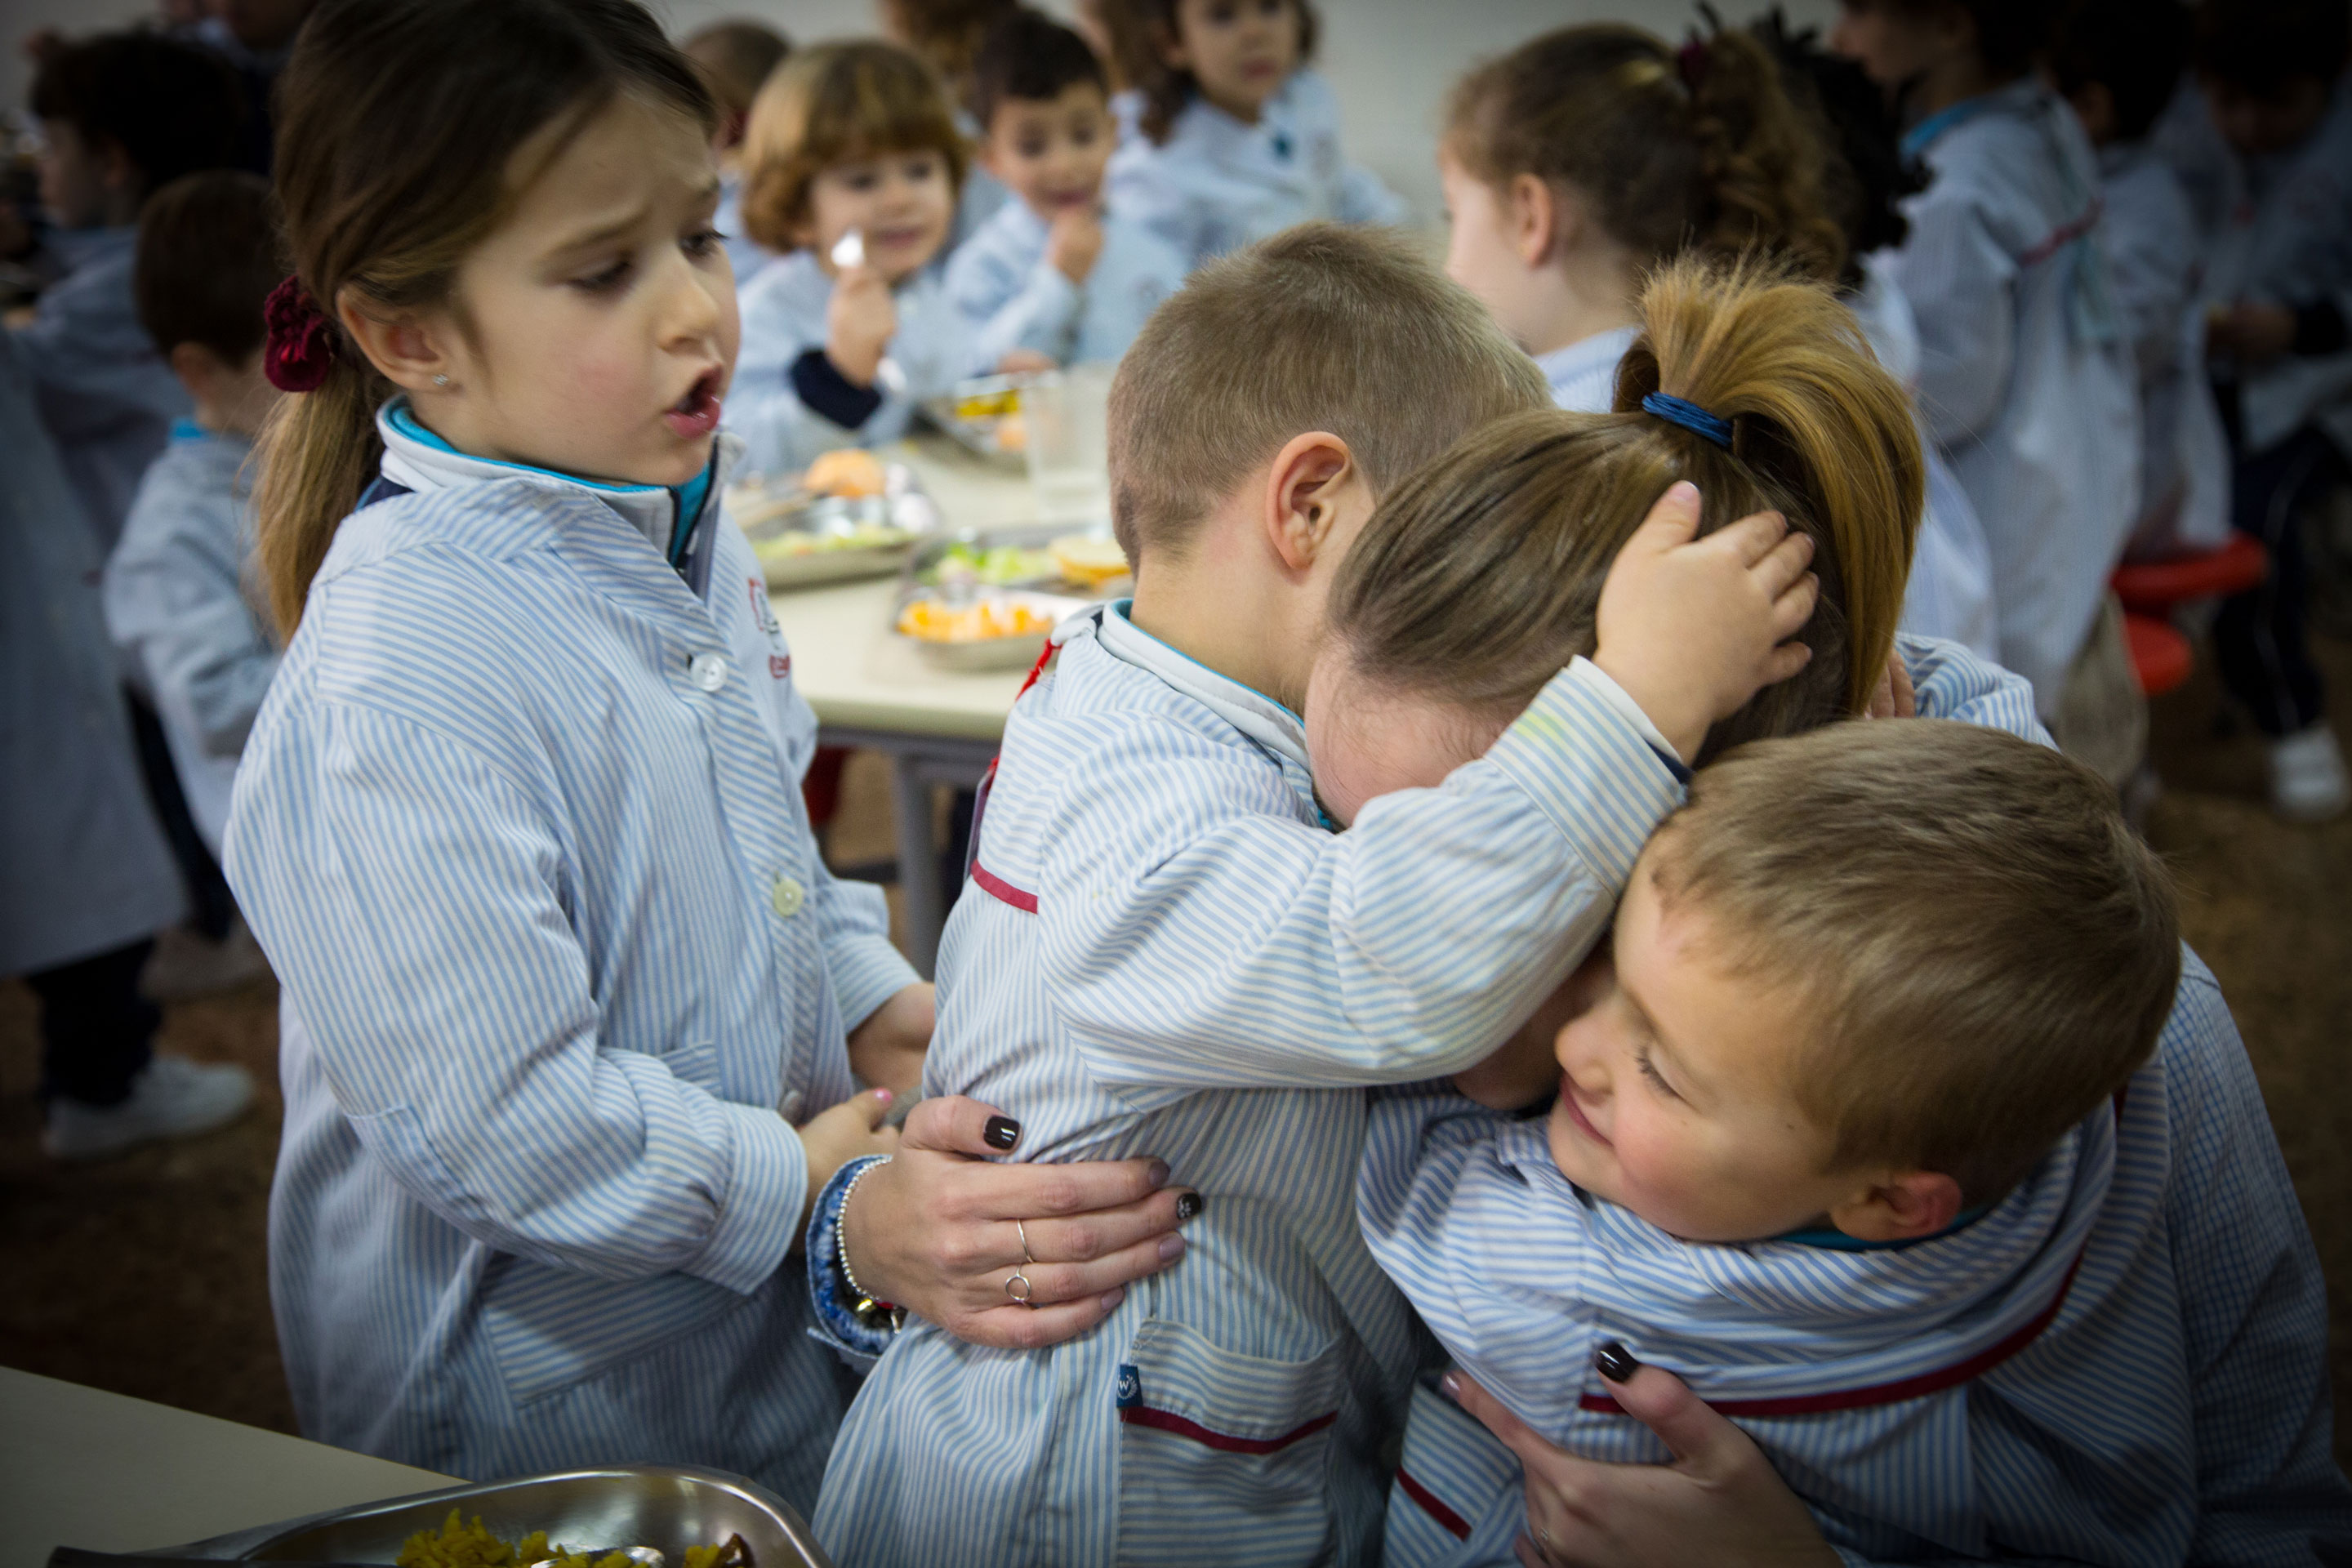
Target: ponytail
[(1479, 577), (398, 126), (1668, 150), (319, 452)]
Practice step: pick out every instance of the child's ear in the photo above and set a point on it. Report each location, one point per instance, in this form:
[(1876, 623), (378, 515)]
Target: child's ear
[(1900, 1207), (403, 347), (1535, 216), (1303, 487), (198, 368), (117, 171)]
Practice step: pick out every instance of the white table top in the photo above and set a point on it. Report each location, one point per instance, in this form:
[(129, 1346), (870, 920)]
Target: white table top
[(860, 674), (82, 1467)]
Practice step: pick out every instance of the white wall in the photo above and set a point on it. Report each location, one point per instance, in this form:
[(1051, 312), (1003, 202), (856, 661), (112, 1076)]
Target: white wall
[(1389, 60)]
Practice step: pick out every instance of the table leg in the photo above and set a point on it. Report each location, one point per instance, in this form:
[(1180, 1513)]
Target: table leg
[(922, 903)]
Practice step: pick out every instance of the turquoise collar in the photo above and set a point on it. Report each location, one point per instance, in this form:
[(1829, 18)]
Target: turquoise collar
[(1839, 1241), (1922, 136)]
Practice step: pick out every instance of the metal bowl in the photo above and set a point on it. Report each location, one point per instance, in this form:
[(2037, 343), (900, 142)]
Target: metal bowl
[(667, 1507)]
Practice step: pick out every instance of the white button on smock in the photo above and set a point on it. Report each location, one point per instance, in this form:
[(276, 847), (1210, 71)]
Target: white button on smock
[(787, 896), (708, 671)]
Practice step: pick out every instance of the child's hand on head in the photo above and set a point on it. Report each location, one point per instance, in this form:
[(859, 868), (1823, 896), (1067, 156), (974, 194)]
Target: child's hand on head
[(859, 322), (1074, 242), (1693, 627)]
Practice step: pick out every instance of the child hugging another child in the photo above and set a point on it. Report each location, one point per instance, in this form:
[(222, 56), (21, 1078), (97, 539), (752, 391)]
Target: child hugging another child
[(852, 163), (1052, 275), (1230, 137), (1869, 1149), (1165, 950), (571, 1003)]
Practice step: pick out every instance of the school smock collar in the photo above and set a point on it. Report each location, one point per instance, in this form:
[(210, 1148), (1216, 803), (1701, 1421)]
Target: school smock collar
[(2020, 95), (1253, 712), (1586, 356), (416, 459)]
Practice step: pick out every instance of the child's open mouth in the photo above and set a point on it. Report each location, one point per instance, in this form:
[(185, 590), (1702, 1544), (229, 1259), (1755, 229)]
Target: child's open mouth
[(695, 414)]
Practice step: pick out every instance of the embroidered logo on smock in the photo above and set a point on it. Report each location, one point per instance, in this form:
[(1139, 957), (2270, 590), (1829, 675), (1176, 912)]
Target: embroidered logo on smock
[(1130, 1392)]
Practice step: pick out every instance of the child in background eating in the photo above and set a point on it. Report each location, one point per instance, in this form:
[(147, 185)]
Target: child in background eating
[(180, 593), (571, 1003), (1230, 137), (121, 116), (735, 57), (851, 164), (1052, 273)]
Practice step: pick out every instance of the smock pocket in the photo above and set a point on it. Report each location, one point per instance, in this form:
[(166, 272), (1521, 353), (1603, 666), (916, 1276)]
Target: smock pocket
[(1457, 1499), (1223, 1459)]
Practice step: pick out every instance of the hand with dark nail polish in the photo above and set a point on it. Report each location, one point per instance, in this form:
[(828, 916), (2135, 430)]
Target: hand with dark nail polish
[(1002, 1132), (1189, 1204), (1614, 1362)]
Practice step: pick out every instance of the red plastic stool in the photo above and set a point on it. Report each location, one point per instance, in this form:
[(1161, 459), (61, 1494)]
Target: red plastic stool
[(2153, 587), (2161, 658), (822, 788)]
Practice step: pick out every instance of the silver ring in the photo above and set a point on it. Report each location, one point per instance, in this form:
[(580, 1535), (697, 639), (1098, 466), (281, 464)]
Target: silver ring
[(1022, 1295), (1025, 1258)]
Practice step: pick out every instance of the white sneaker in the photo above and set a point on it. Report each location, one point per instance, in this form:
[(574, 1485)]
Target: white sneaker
[(2307, 777), (173, 1098)]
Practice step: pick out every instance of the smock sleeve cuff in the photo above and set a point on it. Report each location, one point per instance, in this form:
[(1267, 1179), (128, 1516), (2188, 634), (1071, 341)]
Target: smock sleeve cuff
[(1595, 766), (819, 384), (832, 1321), (762, 1206), (867, 972)]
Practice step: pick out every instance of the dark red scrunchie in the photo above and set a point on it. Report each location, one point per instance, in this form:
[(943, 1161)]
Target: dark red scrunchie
[(1692, 61), (301, 345)]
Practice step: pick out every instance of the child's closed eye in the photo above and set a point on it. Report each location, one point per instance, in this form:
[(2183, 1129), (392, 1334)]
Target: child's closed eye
[(1657, 1080)]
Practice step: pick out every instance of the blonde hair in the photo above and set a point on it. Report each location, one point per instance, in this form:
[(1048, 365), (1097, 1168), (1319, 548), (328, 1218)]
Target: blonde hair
[(1319, 328), (1480, 577), (1671, 150), (398, 125), (833, 104), (1984, 950)]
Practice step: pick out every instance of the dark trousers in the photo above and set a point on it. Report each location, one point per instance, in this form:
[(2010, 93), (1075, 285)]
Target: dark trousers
[(2259, 638), (97, 1031), (211, 908)]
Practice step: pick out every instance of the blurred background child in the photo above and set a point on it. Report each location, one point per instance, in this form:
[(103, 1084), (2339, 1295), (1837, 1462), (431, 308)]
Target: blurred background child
[(1052, 275), (2279, 291), (2119, 63), (180, 595), (848, 141), (1230, 137), (735, 57), (2024, 375), (946, 35)]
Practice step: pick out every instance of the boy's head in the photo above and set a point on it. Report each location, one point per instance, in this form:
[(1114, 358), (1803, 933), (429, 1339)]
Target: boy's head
[(2119, 63), (127, 113), (1044, 107), (1871, 974), (853, 135), (735, 57), (1319, 329), (944, 33), (208, 260), (2269, 66), (1900, 42)]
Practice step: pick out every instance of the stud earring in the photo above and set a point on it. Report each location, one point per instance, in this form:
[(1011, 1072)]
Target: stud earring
[(440, 380)]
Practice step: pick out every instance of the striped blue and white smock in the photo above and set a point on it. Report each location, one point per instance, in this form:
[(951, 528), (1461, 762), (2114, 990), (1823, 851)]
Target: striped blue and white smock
[(2025, 380), (2147, 1307), (1163, 952), (519, 828)]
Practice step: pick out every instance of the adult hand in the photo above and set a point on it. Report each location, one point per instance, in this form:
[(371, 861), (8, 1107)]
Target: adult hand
[(933, 1230), (860, 320), (888, 1049), (1074, 242), (1719, 1503), (1693, 627)]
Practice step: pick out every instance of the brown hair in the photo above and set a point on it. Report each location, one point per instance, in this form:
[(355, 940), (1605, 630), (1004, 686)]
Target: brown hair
[(833, 104), (1701, 148), (1986, 954), (734, 57), (1319, 328), (172, 108), (208, 259), (946, 34), (1141, 31), (1480, 577), (398, 123)]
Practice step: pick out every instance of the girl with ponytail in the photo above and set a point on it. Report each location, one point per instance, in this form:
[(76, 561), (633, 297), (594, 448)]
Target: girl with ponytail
[(571, 1005)]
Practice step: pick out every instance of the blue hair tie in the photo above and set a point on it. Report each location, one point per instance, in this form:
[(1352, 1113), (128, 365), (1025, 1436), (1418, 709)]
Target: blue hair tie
[(1690, 417)]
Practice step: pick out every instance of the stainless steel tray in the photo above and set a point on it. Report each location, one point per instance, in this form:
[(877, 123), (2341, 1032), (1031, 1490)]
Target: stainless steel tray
[(788, 515), (969, 416), (668, 1507)]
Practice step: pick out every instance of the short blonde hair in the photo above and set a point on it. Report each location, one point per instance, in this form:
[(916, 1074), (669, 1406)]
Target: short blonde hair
[(1319, 328), (833, 104), (1985, 950)]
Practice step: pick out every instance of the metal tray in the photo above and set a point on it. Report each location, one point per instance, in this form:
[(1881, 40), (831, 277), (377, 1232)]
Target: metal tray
[(969, 415), (668, 1507), (904, 506)]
